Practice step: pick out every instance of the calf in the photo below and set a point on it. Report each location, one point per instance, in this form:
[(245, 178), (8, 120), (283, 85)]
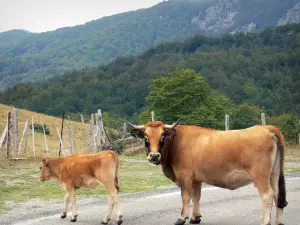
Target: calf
[(87, 170)]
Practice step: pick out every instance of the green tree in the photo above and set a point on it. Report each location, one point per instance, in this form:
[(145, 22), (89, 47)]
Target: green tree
[(186, 94), (245, 115), (288, 124)]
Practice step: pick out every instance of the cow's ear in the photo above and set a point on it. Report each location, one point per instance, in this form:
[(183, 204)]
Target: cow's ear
[(138, 133), (46, 161), (169, 132)]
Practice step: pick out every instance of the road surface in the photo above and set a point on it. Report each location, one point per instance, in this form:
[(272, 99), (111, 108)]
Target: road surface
[(218, 207)]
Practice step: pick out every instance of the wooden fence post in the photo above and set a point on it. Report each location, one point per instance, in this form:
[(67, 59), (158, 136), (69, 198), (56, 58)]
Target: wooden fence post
[(70, 136), (46, 143), (61, 133), (9, 128), (153, 116), (263, 119), (32, 129), (73, 137), (101, 129), (15, 129), (227, 124), (24, 131), (88, 139), (26, 138), (92, 131), (97, 133), (3, 137), (61, 147), (124, 130)]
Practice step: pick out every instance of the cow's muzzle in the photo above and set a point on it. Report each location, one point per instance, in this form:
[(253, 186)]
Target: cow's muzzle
[(154, 157)]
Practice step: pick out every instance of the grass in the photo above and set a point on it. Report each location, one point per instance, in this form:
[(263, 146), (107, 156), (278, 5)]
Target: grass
[(21, 182)]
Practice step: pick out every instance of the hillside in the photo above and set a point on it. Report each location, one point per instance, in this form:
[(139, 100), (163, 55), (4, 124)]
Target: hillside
[(35, 57), (53, 139), (261, 69)]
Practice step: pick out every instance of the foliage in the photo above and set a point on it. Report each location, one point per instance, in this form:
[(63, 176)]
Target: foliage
[(185, 94), (244, 116), (289, 125), (27, 57), (39, 128)]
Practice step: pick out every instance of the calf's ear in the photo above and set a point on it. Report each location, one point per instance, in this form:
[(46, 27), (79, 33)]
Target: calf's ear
[(137, 133), (45, 161)]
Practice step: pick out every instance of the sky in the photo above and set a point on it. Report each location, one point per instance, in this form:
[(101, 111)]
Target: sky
[(46, 15)]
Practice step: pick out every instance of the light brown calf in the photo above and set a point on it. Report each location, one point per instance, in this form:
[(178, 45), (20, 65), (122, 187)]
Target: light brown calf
[(190, 155), (88, 170)]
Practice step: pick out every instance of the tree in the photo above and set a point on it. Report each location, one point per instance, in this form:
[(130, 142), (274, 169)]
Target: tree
[(245, 115), (186, 94)]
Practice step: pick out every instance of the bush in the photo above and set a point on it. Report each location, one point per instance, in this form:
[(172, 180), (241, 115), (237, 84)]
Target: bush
[(39, 128)]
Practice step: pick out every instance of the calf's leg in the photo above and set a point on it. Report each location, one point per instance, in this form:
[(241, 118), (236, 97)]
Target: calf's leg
[(65, 206), (113, 203), (69, 188)]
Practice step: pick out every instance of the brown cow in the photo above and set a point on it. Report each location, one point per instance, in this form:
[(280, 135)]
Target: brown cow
[(87, 170), (190, 155)]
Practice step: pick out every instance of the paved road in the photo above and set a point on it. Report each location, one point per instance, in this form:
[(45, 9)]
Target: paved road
[(219, 207)]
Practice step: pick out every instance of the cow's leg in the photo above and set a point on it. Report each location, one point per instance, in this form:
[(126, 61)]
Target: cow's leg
[(113, 203), (196, 194), (267, 194), (186, 190), (274, 183), (65, 206)]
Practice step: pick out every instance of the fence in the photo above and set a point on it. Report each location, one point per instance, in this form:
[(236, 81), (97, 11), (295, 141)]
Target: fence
[(76, 138), (48, 136)]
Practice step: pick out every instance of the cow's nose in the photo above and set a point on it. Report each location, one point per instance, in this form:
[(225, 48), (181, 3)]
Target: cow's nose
[(154, 156)]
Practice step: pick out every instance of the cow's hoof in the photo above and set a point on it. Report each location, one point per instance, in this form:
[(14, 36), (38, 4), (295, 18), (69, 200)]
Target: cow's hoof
[(197, 220), (120, 220), (104, 222), (180, 221), (74, 219), (63, 215)]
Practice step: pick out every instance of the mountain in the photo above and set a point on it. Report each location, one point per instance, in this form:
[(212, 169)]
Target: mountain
[(36, 57), (292, 16), (12, 37), (261, 69)]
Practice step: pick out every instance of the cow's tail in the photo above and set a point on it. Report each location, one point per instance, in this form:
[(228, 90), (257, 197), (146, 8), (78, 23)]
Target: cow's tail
[(116, 180), (281, 203)]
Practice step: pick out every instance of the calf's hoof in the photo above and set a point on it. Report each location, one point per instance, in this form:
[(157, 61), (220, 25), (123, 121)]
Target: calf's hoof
[(74, 219), (120, 220), (197, 220), (105, 222), (63, 215), (180, 221)]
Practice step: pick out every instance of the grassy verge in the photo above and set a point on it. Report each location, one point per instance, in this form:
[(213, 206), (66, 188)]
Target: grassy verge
[(21, 182)]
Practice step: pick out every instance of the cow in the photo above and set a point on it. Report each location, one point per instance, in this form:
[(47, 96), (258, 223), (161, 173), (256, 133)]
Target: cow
[(190, 155), (85, 170)]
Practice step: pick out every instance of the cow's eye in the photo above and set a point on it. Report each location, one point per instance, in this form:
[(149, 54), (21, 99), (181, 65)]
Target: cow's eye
[(146, 139), (40, 167), (162, 138)]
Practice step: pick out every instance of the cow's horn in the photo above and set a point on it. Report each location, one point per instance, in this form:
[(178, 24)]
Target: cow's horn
[(173, 125), (135, 126)]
